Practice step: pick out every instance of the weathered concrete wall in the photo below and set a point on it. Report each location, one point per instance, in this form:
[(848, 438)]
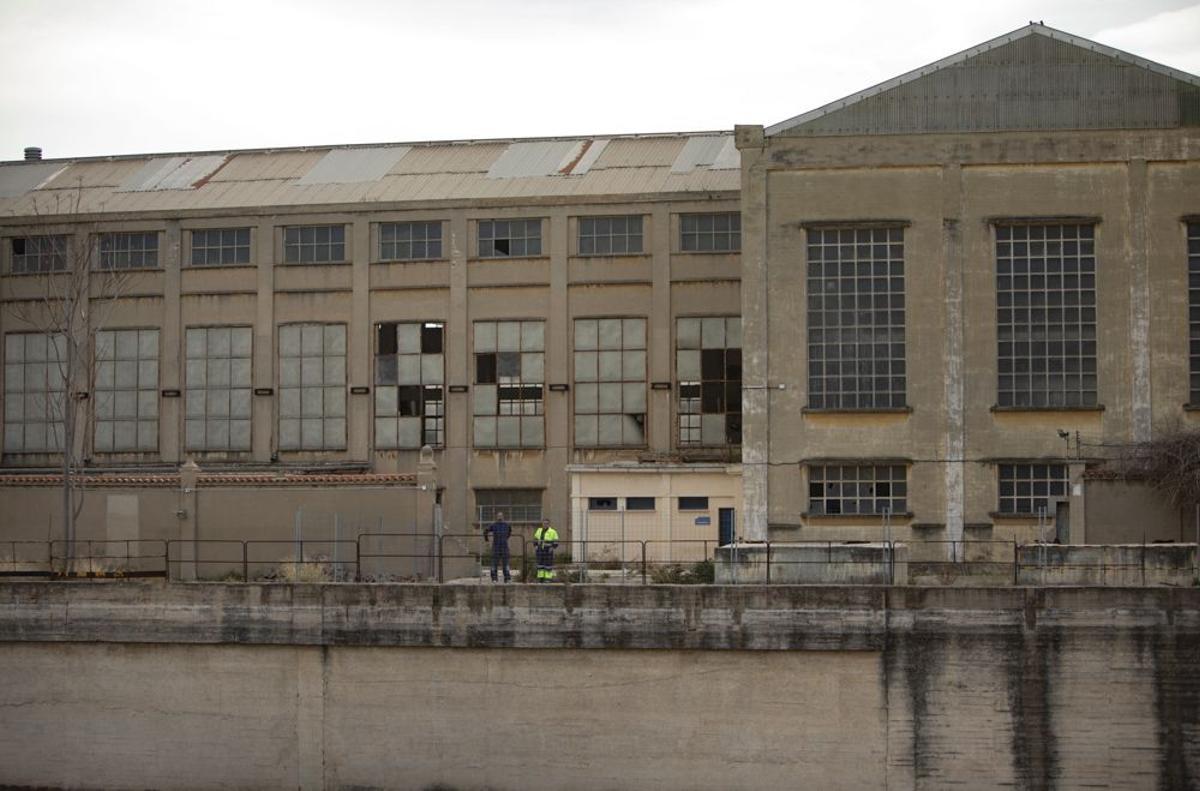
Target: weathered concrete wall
[(1131, 511), (187, 686)]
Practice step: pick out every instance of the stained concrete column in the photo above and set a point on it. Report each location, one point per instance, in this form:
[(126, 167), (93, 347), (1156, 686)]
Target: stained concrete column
[(189, 479), (660, 331), (457, 453), (263, 375), (755, 333), (170, 346), (954, 370), (358, 343), (1138, 266), (559, 430)]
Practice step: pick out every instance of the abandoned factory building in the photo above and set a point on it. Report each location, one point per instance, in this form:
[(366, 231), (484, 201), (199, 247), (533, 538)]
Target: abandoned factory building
[(928, 305)]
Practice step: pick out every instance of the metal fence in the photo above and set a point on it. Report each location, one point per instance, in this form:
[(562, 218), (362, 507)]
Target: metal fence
[(466, 557)]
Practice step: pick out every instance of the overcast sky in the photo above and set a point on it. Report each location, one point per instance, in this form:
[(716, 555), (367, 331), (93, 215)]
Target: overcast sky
[(131, 76)]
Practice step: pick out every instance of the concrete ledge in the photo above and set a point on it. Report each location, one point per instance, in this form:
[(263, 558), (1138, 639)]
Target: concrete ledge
[(749, 617)]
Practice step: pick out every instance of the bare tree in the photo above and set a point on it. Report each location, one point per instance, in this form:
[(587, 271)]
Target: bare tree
[(1169, 463), (68, 299)]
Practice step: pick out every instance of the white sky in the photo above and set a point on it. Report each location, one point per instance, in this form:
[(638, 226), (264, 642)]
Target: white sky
[(81, 77)]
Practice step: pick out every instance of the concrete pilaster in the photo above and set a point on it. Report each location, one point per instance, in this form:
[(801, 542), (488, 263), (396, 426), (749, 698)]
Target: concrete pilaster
[(1138, 266), (170, 346), (954, 368), (755, 331), (264, 341)]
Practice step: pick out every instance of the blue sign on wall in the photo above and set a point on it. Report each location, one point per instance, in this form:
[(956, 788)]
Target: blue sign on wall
[(703, 520)]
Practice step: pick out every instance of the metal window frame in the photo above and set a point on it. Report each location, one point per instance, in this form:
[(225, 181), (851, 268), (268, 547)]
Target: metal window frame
[(200, 241), (622, 381), (520, 407), (13, 425), (295, 244), (111, 245), (590, 233), (856, 316), (486, 231), (1032, 474), (841, 483), (1193, 275), (433, 418), (41, 260), (1046, 314), (190, 390), (513, 512), (691, 239), (141, 387), (386, 254), (689, 410), (325, 417)]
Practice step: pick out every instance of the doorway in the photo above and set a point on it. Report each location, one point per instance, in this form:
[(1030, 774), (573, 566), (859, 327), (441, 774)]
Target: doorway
[(725, 526)]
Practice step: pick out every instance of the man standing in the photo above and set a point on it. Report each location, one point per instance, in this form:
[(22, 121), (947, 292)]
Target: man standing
[(499, 532), (545, 541)]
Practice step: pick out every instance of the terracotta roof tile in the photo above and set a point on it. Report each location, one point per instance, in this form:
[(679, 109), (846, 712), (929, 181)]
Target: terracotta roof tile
[(171, 479)]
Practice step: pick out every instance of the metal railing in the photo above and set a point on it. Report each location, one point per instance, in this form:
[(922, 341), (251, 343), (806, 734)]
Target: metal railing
[(446, 557)]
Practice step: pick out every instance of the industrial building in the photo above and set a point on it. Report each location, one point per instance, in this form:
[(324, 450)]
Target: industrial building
[(885, 312)]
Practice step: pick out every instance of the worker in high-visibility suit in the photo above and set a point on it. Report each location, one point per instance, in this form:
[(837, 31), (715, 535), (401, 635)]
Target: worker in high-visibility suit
[(545, 541)]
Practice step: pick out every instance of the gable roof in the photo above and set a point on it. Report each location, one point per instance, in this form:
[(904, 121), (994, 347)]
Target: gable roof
[(1032, 78)]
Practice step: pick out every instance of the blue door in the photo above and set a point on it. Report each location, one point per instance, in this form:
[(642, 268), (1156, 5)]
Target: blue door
[(725, 525)]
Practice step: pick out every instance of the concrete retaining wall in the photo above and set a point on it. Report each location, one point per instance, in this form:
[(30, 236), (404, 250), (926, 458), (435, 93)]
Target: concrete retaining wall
[(135, 685)]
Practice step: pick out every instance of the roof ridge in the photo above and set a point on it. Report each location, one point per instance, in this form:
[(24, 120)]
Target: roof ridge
[(391, 144)]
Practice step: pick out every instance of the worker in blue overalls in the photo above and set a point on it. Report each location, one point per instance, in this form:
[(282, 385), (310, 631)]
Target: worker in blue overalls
[(499, 532)]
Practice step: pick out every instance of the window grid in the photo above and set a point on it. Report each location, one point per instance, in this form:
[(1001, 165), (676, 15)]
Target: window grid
[(610, 382), (509, 384), (871, 489), (856, 349), (217, 396), (33, 254), (126, 390), (312, 387), (410, 241), (220, 246), (1193, 248), (134, 250), (314, 244), (409, 384), (34, 392), (610, 235), (510, 238), (710, 233), (708, 367), (1046, 315), (517, 505), (1027, 488)]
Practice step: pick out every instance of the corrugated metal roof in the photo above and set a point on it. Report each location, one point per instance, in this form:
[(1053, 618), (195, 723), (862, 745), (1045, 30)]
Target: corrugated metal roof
[(1031, 79), (16, 180), (700, 151), (353, 165), (591, 152), (537, 158), (172, 173), (605, 166)]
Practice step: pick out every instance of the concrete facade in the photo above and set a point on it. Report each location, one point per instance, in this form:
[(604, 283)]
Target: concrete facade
[(657, 179), (202, 686), (943, 175)]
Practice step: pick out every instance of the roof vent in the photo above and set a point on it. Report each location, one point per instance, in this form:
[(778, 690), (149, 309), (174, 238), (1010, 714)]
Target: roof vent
[(32, 153)]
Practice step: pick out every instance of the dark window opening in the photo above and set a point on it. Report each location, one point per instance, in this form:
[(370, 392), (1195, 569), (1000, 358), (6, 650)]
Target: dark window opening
[(602, 503), (693, 503), (639, 503)]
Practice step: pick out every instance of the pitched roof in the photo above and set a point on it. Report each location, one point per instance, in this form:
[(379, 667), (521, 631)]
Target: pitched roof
[(399, 173), (1035, 77)]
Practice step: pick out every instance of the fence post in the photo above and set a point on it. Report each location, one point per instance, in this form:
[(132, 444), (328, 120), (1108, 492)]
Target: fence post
[(1016, 563), (441, 559), (643, 562), (358, 557), (768, 562), (167, 560)]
